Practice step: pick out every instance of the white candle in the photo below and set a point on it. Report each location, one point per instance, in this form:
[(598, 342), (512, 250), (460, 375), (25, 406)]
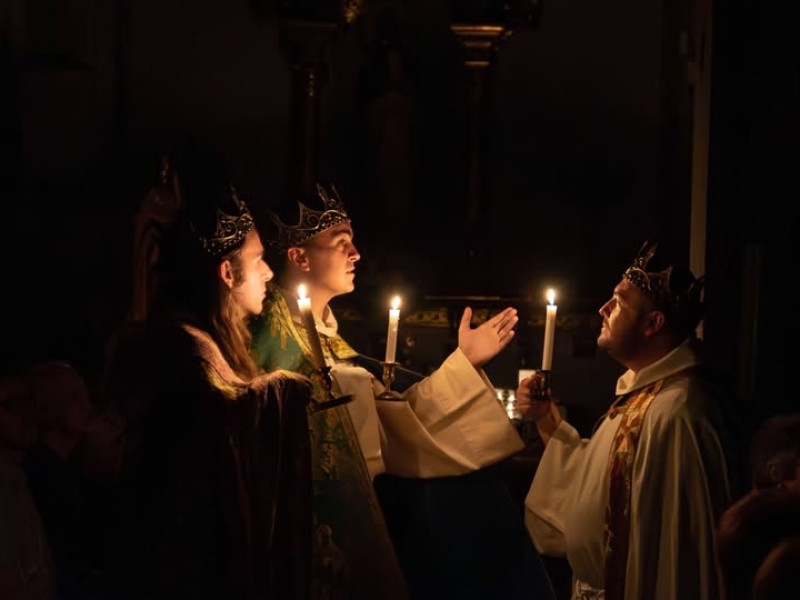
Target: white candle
[(549, 331), (311, 328), (391, 335)]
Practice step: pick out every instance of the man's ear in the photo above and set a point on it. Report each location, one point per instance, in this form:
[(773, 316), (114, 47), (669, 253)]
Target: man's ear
[(774, 473), (655, 322), (225, 272), (298, 258)]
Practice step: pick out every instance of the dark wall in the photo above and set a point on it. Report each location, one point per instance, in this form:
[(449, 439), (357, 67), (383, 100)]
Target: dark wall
[(753, 206), (573, 157), (571, 138)]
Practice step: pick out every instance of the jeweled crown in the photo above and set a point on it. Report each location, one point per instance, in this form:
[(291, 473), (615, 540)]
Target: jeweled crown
[(311, 222), (230, 229), (661, 285)]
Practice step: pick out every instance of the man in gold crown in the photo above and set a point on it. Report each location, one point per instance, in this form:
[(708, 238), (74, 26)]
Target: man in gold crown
[(634, 508), (214, 493), (447, 424)]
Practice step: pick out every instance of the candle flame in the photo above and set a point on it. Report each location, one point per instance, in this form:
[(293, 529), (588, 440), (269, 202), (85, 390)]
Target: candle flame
[(395, 302), (551, 296), (301, 291)]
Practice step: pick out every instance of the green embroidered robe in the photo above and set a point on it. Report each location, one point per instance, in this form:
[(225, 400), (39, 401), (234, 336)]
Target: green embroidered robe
[(353, 556)]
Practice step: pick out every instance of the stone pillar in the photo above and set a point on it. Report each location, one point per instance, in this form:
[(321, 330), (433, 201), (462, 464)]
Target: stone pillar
[(480, 44), (304, 43)]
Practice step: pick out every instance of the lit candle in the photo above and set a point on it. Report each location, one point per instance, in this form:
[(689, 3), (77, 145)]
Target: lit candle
[(391, 335), (549, 331), (311, 328)]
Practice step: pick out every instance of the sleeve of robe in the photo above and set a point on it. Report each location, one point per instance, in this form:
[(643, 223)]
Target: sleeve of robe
[(551, 490), (450, 424), (680, 490)]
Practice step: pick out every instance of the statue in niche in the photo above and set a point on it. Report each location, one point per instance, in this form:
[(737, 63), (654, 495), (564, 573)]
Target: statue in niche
[(388, 119), (386, 101)]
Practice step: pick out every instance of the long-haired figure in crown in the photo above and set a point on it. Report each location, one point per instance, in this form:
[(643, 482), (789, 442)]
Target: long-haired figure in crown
[(635, 507), (455, 529), (214, 489)]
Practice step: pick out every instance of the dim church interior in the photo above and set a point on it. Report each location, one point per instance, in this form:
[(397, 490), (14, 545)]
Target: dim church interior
[(486, 150)]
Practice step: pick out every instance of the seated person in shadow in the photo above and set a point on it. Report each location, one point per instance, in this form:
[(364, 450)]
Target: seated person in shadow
[(779, 576), (70, 497), (65, 453), (26, 567), (438, 521), (758, 535)]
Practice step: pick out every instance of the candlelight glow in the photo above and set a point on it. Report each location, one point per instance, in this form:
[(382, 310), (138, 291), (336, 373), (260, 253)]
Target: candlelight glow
[(391, 333), (549, 331), (304, 304)]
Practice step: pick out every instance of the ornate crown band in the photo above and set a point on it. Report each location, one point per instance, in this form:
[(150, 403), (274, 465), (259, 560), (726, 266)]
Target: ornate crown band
[(230, 229), (311, 222), (658, 285)]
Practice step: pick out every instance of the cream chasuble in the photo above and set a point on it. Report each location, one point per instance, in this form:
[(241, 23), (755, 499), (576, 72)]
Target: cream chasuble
[(450, 423), (679, 488)]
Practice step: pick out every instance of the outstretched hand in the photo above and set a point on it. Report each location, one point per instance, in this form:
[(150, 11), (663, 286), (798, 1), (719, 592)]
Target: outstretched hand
[(482, 344)]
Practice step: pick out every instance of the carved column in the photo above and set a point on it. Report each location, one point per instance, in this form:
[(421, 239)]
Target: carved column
[(480, 44), (304, 43)]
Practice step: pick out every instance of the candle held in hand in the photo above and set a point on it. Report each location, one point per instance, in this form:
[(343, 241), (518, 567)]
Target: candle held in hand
[(549, 331), (391, 335), (311, 328)]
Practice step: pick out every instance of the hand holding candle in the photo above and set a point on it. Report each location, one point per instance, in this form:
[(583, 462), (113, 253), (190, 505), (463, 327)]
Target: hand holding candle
[(549, 331), (391, 335), (307, 316)]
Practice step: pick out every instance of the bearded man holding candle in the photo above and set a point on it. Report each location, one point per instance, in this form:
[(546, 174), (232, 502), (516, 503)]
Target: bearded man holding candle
[(634, 508), (445, 425)]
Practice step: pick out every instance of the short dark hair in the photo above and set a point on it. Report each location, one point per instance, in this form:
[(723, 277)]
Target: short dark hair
[(683, 317), (670, 285)]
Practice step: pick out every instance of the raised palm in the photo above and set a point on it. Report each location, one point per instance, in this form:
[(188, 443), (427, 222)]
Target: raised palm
[(482, 344)]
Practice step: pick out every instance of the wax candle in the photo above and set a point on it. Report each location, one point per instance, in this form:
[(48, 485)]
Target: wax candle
[(311, 328), (391, 335), (549, 331)]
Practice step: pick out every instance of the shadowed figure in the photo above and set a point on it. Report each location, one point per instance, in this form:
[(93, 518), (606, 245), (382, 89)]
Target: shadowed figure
[(213, 473)]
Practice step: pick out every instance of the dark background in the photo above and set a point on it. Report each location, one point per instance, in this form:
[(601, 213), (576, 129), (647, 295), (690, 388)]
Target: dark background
[(591, 125)]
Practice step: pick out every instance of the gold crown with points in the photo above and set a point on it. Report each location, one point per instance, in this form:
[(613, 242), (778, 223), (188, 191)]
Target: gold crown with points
[(230, 229), (311, 222)]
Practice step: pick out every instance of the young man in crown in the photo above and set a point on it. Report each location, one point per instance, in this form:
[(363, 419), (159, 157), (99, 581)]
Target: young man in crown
[(447, 424), (634, 508)]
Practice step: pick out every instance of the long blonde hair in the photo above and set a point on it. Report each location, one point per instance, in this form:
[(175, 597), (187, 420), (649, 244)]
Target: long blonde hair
[(191, 286), (229, 328)]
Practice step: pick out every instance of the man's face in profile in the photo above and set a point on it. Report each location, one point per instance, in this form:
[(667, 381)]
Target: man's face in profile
[(621, 334), (331, 258), (249, 293)]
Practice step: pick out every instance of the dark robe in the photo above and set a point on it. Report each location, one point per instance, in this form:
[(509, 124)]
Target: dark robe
[(458, 537), (214, 490)]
